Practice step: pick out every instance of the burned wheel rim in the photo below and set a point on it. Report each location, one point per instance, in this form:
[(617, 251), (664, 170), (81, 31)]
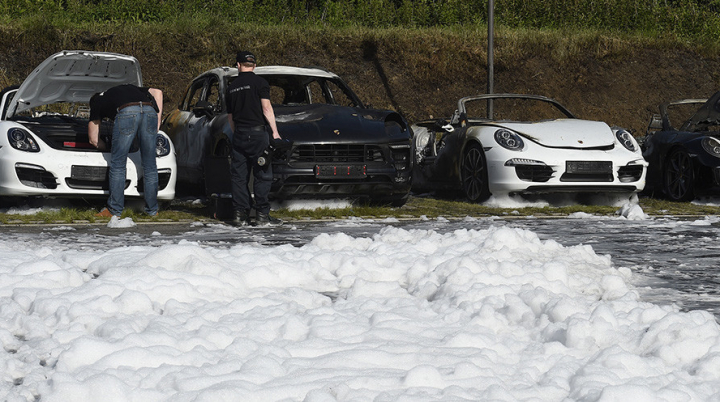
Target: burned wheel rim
[(474, 175), (679, 176)]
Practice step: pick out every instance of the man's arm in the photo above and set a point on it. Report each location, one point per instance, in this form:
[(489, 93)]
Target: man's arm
[(270, 116), (158, 95), (94, 134)]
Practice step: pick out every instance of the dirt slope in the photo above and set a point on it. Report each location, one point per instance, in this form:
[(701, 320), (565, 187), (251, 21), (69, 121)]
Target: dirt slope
[(420, 74)]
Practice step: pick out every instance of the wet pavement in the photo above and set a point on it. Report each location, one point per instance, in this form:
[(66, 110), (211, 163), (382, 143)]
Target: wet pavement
[(675, 260)]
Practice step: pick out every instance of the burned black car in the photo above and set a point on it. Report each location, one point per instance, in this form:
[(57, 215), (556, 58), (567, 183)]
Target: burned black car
[(684, 152), (340, 148)]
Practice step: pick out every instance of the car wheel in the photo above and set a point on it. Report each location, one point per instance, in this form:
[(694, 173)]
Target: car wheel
[(679, 176), (473, 174), (399, 202)]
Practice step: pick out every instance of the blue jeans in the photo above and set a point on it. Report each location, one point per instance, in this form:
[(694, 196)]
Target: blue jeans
[(132, 122)]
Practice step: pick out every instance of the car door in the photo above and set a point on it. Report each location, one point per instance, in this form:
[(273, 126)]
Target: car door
[(188, 127)]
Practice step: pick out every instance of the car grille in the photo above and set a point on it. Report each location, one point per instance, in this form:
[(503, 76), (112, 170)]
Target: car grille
[(535, 173), (630, 173), (35, 177), (587, 171), (587, 177), (90, 178), (96, 178), (336, 153), (163, 180)]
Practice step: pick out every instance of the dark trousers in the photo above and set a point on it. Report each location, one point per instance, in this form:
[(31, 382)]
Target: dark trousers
[(247, 146)]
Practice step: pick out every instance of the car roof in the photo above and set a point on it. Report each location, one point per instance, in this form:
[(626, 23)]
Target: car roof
[(278, 70), (74, 76), (287, 70)]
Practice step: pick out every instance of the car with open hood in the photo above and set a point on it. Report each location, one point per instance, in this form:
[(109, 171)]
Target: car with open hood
[(682, 145), (334, 146), (44, 146), (505, 144)]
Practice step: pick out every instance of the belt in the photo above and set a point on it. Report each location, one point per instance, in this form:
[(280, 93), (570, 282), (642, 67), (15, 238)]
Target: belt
[(253, 128), (135, 104)]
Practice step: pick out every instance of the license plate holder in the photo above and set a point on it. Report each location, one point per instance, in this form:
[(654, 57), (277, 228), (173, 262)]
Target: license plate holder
[(340, 171), (89, 173), (588, 167)]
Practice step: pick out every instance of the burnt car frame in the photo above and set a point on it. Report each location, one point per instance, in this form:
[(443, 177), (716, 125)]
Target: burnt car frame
[(507, 144), (685, 160), (339, 147)]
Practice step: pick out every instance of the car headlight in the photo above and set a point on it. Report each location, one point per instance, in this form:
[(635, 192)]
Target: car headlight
[(22, 140), (711, 145), (422, 138), (509, 140), (162, 145), (626, 139)]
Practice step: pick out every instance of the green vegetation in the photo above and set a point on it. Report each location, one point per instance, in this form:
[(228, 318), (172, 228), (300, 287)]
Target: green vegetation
[(416, 208), (692, 19)]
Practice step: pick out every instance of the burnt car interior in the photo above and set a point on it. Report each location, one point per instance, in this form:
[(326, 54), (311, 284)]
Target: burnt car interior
[(690, 113), (706, 119), (203, 97), (295, 90)]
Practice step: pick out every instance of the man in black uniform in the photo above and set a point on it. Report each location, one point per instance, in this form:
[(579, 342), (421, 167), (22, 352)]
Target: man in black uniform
[(250, 114), (136, 112)]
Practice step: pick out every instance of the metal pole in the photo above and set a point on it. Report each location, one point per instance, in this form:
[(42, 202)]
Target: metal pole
[(490, 69)]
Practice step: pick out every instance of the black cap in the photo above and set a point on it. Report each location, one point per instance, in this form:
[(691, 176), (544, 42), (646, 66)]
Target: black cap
[(245, 57)]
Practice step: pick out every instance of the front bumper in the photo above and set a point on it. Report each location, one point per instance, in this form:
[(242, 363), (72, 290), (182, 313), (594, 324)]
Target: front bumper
[(576, 171), (51, 173)]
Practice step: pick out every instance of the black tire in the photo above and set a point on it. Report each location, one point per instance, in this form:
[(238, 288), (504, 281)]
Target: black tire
[(394, 202), (679, 176), (473, 174), (399, 202)]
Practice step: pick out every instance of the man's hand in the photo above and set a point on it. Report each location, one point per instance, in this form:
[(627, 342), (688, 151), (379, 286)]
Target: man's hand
[(101, 145)]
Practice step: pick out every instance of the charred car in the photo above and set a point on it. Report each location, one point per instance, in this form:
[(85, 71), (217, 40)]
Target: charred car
[(339, 147), (682, 146), (504, 144), (44, 146)]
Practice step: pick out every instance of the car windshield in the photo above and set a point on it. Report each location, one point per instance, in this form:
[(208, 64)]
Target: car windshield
[(514, 109), (293, 90)]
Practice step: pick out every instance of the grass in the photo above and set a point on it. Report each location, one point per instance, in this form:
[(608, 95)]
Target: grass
[(416, 208)]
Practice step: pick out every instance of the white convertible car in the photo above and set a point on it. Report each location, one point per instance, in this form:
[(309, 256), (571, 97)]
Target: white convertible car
[(504, 144), (44, 148)]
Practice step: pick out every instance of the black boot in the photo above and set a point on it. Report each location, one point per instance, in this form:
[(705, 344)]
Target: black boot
[(241, 218), (264, 219)]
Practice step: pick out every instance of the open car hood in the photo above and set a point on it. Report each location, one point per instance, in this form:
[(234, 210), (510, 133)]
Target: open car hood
[(564, 133), (74, 76)]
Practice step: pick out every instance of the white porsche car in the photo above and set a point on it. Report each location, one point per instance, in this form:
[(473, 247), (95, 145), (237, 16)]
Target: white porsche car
[(505, 144), (44, 147)]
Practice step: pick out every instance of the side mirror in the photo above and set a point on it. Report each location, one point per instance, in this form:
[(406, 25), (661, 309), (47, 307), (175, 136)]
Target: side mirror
[(203, 108)]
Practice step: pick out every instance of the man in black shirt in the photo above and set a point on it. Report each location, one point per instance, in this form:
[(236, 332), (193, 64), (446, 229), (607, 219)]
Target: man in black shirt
[(136, 112), (250, 114)]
